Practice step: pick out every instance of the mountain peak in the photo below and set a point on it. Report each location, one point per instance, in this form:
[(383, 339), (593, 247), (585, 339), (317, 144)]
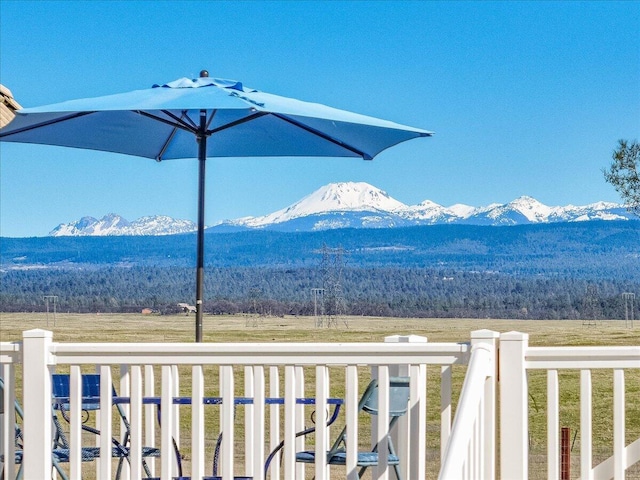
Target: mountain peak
[(113, 224), (334, 197)]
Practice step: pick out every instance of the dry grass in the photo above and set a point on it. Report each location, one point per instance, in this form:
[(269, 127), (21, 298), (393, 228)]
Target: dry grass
[(139, 328)]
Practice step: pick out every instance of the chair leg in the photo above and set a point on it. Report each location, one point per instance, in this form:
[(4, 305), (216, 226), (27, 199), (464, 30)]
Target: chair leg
[(397, 470), (59, 470)]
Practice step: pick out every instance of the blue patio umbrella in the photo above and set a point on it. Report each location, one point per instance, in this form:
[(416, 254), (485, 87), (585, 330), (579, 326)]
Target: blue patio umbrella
[(225, 118)]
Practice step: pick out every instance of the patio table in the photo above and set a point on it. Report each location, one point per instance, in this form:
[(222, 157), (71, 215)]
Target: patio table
[(92, 402)]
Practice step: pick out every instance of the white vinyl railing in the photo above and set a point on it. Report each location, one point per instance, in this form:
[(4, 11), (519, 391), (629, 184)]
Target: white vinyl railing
[(516, 359), (261, 370), (470, 452), (290, 371)]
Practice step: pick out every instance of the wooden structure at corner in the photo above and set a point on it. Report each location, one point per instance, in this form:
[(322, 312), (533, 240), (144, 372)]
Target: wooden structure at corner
[(8, 106)]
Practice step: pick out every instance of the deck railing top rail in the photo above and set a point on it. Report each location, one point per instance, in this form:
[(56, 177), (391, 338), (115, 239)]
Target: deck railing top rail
[(259, 353)]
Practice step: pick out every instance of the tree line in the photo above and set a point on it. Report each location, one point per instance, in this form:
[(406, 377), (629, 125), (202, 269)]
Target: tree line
[(378, 291)]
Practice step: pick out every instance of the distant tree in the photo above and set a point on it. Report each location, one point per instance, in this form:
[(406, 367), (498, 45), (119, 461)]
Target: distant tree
[(624, 173)]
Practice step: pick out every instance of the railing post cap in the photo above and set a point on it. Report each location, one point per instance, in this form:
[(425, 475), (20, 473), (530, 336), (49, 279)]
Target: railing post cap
[(484, 333), (37, 333), (514, 336), (406, 339)]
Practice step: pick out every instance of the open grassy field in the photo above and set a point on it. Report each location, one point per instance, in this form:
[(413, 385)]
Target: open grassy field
[(152, 328), (181, 328)]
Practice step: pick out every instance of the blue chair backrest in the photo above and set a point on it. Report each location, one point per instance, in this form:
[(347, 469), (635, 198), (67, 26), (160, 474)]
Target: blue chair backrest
[(90, 389), (398, 397)]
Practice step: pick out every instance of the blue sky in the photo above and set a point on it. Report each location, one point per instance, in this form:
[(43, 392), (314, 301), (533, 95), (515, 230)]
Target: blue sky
[(526, 98)]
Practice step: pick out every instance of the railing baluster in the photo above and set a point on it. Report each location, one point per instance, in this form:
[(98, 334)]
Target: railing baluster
[(553, 426), (228, 425), (166, 421), (106, 421), (75, 422), (351, 409), (135, 452), (445, 407), (124, 391), (289, 458), (322, 433), (476, 439), (618, 425), (248, 419), (586, 430), (299, 441), (149, 415), (256, 450), (175, 409), (197, 422), (417, 423), (274, 421), (381, 471)]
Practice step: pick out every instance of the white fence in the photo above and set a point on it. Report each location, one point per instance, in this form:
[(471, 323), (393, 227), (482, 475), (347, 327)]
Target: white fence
[(244, 369), (149, 376), (516, 359)]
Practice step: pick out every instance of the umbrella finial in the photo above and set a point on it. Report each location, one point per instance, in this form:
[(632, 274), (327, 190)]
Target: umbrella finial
[(204, 74)]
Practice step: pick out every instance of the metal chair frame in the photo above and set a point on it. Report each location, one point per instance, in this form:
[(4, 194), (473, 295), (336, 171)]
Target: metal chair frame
[(91, 401), (398, 405)]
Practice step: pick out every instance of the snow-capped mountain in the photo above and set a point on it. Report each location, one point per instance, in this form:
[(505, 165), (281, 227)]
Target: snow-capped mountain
[(113, 224), (335, 198), (358, 205)]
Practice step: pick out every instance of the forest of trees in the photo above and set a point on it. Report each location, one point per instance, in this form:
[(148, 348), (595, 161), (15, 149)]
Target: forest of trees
[(570, 270), (381, 291)]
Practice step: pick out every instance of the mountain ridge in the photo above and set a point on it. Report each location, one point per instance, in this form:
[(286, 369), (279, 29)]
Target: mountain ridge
[(357, 205)]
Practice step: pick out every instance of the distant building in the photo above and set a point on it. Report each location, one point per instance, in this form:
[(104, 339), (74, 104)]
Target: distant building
[(186, 308), (8, 106)]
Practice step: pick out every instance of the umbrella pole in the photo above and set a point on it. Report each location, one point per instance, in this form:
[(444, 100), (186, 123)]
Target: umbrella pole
[(202, 159)]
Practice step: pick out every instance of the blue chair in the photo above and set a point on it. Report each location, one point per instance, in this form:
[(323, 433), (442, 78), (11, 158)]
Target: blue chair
[(91, 401), (56, 459), (398, 404)]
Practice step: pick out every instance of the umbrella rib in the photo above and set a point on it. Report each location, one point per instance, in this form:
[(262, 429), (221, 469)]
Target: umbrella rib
[(178, 124), (324, 136), (181, 119), (170, 137), (45, 124), (237, 122)]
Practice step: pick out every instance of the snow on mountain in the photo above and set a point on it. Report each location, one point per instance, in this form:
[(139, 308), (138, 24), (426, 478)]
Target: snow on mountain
[(358, 205), (521, 210), (429, 212), (335, 197), (461, 210), (594, 211), (532, 209), (113, 224)]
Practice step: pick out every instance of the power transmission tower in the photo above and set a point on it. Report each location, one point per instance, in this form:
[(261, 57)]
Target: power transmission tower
[(590, 306), (335, 306), (253, 316), (54, 300), (629, 307)]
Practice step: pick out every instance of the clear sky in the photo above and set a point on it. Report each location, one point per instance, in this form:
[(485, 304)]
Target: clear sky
[(526, 98)]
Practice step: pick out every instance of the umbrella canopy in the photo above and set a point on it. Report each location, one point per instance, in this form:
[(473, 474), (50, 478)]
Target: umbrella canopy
[(226, 118)]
